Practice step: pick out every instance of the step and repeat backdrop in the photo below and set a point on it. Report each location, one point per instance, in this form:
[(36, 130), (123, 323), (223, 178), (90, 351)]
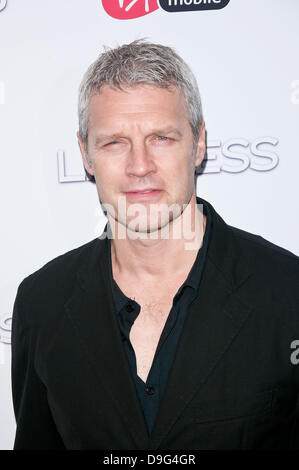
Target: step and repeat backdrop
[(244, 54)]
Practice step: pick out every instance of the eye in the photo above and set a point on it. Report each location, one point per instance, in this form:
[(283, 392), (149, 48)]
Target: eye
[(113, 143), (162, 137)]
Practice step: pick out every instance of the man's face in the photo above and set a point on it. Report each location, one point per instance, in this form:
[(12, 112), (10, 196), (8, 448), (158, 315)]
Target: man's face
[(140, 139)]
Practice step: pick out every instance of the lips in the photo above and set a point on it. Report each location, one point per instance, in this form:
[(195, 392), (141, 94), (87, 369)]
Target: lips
[(143, 194), (142, 191)]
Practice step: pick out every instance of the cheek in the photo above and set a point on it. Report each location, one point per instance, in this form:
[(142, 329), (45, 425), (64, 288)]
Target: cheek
[(106, 173), (110, 179), (180, 167)]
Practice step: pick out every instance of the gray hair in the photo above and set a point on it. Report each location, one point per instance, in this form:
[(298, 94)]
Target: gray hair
[(134, 63)]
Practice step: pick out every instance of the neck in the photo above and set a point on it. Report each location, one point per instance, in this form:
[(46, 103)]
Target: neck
[(154, 259)]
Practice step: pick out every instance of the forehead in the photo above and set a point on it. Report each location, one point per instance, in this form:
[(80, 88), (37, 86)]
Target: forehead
[(140, 102)]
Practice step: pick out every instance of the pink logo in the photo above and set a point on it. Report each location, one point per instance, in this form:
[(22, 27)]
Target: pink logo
[(129, 9)]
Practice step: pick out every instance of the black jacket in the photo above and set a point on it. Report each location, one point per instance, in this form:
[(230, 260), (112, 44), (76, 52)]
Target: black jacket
[(234, 382)]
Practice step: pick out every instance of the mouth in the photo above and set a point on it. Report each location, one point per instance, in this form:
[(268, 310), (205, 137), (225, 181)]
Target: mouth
[(143, 194)]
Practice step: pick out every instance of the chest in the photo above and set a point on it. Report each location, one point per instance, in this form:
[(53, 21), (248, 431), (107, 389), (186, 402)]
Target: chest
[(146, 331), (155, 302), (155, 305)]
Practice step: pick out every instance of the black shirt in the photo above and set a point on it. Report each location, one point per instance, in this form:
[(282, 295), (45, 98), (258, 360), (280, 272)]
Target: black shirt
[(127, 310)]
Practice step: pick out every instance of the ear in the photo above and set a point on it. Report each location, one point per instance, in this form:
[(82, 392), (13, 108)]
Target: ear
[(85, 159), (201, 145)]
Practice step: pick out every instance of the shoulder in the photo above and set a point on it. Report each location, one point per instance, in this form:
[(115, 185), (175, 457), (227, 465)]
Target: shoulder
[(273, 280), (264, 256), (58, 273), (245, 248)]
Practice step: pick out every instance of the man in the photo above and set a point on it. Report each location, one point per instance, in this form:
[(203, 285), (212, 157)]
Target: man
[(173, 330)]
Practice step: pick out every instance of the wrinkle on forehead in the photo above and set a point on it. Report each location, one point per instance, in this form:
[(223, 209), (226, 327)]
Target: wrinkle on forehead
[(140, 103)]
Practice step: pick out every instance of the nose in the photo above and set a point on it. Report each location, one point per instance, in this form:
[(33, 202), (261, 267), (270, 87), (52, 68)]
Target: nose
[(139, 161)]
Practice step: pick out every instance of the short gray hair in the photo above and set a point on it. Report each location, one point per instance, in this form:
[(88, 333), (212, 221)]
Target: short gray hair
[(139, 62)]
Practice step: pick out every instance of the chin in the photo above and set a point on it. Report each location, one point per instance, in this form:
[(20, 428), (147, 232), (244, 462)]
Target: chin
[(150, 230)]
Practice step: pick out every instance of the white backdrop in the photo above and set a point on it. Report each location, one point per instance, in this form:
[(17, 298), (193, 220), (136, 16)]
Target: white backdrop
[(245, 57)]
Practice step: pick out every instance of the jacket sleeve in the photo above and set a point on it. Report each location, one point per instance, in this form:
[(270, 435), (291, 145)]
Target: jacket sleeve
[(35, 426)]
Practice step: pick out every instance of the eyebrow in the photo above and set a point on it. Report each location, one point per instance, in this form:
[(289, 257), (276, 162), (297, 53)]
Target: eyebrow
[(168, 130), (101, 138)]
